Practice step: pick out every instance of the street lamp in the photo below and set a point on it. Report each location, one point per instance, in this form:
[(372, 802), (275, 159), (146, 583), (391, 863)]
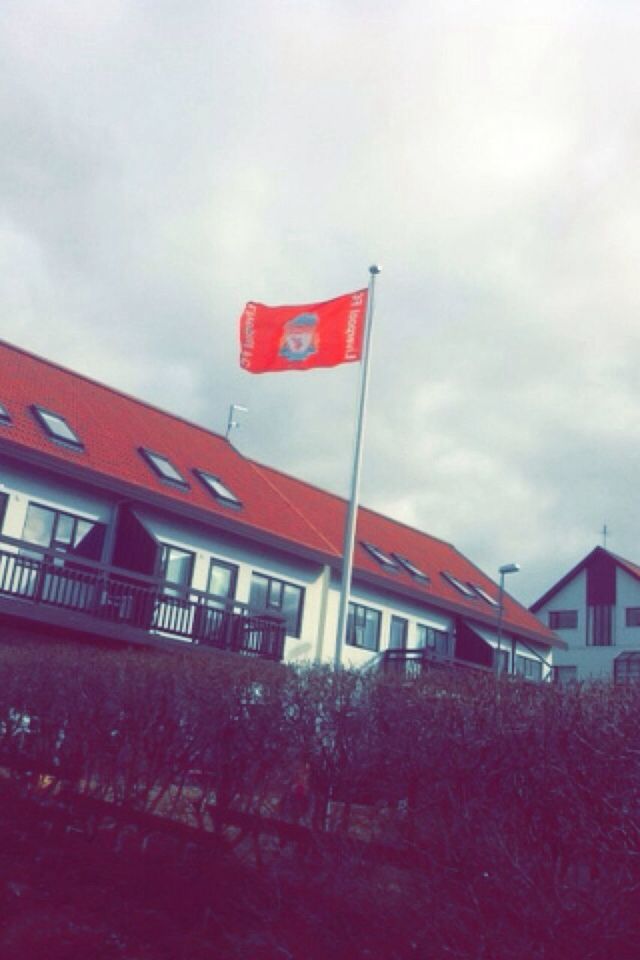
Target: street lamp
[(503, 571)]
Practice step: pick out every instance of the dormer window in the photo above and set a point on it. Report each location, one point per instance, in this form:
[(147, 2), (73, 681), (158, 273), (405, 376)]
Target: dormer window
[(219, 490), (411, 568), (485, 596), (463, 588), (163, 467), (384, 559), (4, 414), (57, 427)]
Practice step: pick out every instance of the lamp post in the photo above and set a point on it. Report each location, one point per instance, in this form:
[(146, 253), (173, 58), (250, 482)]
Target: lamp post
[(503, 571)]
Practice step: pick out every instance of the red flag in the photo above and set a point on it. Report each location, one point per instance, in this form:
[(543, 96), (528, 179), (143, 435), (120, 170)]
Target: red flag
[(308, 335)]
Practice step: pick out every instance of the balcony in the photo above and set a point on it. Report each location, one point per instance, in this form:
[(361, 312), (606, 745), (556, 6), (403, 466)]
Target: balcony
[(407, 664), (51, 588)]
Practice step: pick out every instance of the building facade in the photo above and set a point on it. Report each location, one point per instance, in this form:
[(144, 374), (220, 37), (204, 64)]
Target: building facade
[(122, 521), (595, 608)]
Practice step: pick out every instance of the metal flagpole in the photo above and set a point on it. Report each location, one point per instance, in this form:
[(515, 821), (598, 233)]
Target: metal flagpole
[(350, 525)]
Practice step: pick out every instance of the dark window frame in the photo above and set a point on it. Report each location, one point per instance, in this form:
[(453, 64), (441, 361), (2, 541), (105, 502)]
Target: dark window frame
[(482, 593), (386, 560), (632, 616), (565, 673), (357, 620), (62, 545), (626, 668), (463, 588), (563, 619), (411, 568), (403, 624), (41, 413), (163, 564), (276, 586), (150, 456), (440, 638), (528, 667), (209, 481), (600, 625), (233, 569)]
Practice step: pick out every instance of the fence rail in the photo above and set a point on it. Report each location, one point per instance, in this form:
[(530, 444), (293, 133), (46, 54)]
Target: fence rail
[(409, 664), (104, 595)]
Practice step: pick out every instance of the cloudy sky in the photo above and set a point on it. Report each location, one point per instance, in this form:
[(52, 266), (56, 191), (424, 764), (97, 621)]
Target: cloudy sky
[(163, 162)]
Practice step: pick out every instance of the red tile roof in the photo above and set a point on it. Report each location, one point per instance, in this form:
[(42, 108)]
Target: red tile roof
[(429, 554), (113, 426)]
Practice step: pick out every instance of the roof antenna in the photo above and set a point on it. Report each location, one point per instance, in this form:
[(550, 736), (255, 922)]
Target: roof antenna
[(232, 422), (605, 533)]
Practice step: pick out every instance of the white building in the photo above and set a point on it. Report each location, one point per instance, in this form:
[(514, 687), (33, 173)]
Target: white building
[(122, 521), (595, 608)]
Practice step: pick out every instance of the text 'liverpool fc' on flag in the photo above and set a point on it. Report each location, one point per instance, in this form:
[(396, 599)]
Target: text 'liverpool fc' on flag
[(301, 337)]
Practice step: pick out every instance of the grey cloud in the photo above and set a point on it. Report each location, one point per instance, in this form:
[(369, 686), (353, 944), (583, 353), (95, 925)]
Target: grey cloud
[(162, 165)]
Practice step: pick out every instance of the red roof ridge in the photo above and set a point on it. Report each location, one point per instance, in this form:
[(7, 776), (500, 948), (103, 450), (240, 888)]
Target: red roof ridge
[(259, 469), (113, 390), (370, 510)]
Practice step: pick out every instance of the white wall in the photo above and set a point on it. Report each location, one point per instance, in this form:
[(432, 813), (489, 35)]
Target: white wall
[(388, 606), (321, 590), (208, 543), (25, 488), (594, 662), (627, 595)]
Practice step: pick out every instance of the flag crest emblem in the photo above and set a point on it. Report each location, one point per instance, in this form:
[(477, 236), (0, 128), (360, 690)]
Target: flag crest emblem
[(300, 337)]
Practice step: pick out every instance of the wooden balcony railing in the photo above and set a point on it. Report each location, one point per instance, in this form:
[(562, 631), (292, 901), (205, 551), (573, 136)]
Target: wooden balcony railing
[(410, 664), (97, 594)]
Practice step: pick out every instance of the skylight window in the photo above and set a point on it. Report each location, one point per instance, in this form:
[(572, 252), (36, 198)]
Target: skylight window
[(383, 558), (463, 588), (163, 467), (215, 486), (411, 568), (485, 596), (57, 427), (4, 414)]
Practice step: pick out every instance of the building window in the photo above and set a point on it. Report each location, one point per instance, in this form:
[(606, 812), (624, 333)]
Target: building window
[(632, 616), (411, 568), (176, 569), (222, 580), (485, 596), (55, 529), (563, 619), (600, 625), (57, 427), (4, 414), (565, 674), (529, 668), (626, 668), (435, 640), (501, 660), (363, 627), (163, 467), (398, 633), (464, 588), (219, 490), (282, 599), (384, 559)]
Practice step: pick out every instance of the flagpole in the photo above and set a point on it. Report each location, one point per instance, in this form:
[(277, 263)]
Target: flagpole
[(350, 525)]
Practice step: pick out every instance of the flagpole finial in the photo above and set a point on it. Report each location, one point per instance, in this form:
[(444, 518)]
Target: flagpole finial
[(374, 269)]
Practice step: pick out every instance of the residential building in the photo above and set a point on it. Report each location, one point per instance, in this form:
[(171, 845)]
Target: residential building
[(122, 521), (595, 609)]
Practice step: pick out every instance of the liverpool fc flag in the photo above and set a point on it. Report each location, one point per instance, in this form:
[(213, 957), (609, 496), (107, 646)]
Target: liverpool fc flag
[(304, 336)]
